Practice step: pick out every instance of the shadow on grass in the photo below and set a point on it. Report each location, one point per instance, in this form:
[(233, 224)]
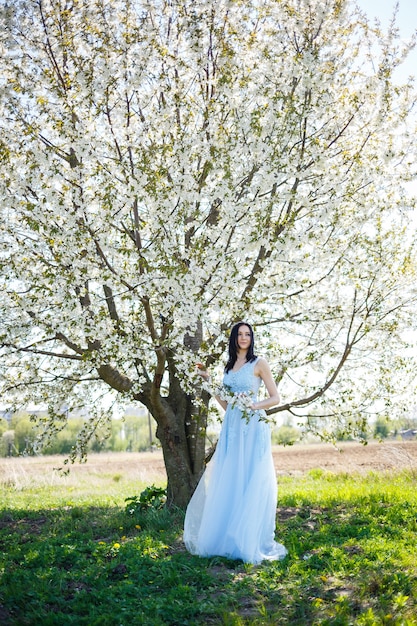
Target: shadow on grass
[(101, 566)]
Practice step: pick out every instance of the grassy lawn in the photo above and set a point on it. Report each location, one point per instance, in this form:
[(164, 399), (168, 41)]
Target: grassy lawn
[(72, 553)]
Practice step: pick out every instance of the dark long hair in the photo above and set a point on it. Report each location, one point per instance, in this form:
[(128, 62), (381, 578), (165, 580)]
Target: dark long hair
[(250, 355)]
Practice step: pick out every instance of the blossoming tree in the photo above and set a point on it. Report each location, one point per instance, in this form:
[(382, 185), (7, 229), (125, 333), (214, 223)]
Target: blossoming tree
[(169, 167)]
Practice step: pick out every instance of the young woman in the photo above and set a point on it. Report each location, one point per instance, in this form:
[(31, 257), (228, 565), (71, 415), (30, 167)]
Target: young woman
[(232, 511)]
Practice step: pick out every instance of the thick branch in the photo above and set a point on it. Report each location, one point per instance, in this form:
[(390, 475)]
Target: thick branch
[(114, 378), (111, 305)]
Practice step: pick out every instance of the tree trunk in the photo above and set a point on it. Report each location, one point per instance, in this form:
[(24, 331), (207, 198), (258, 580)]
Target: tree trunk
[(184, 452), (181, 426), (182, 430)]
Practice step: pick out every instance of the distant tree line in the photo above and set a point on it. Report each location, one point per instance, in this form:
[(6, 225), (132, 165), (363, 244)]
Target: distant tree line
[(131, 434)]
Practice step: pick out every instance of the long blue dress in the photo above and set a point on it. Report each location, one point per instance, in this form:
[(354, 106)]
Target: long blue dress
[(232, 511)]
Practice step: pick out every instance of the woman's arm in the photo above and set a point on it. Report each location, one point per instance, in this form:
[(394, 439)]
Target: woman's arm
[(263, 370), (222, 403)]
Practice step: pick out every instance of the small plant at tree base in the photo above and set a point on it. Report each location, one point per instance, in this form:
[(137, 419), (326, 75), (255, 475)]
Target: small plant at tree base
[(150, 498)]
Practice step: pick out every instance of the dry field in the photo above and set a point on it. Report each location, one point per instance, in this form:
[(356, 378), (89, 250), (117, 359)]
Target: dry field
[(347, 457), (148, 467)]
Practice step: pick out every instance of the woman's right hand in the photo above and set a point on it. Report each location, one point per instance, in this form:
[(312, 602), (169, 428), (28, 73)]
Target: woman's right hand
[(203, 372)]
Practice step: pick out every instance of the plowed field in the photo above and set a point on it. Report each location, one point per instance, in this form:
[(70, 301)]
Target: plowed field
[(148, 467)]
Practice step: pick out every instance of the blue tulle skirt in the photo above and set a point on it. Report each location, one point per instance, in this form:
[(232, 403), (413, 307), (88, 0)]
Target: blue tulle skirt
[(232, 512)]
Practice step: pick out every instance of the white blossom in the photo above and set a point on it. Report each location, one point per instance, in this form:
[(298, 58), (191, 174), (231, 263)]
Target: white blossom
[(169, 168)]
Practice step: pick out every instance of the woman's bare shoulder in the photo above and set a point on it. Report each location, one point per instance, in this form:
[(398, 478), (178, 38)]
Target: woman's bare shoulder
[(261, 365)]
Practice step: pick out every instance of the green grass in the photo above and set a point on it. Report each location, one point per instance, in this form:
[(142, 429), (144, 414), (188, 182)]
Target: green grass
[(74, 555)]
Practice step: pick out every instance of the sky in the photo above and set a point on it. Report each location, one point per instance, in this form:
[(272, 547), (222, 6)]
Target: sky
[(406, 22)]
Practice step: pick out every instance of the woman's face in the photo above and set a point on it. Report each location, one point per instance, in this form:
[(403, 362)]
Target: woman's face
[(244, 337)]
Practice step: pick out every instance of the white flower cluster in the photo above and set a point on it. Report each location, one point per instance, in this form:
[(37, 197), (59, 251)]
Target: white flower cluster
[(241, 400)]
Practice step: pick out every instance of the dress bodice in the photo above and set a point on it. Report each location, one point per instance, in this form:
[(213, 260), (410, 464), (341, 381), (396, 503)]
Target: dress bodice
[(243, 380)]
